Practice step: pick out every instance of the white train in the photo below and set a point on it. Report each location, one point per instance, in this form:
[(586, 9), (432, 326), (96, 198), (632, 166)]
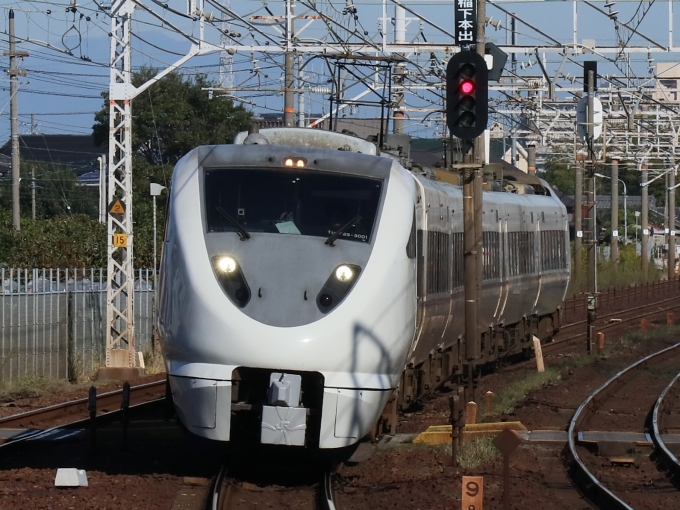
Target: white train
[(305, 277)]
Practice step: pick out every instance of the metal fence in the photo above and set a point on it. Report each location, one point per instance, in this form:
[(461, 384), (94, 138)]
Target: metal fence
[(53, 321)]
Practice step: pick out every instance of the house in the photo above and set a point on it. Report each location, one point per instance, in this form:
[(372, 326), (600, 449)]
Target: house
[(74, 152)]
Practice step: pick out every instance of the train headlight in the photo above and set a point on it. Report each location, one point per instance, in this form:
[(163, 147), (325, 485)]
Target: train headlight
[(231, 279), (344, 273), (336, 288), (226, 264)]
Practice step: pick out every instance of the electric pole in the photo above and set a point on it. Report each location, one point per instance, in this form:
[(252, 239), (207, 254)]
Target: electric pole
[(32, 192), (615, 214), (590, 204), (289, 79), (645, 223), (399, 71), (14, 73), (671, 220), (578, 223)]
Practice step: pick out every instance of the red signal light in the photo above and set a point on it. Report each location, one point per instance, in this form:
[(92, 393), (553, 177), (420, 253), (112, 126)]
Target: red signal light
[(467, 87)]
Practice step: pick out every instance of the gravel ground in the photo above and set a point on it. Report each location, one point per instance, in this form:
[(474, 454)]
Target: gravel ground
[(150, 474)]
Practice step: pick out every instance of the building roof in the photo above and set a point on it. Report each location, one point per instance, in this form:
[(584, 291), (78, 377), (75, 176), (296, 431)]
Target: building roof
[(77, 152)]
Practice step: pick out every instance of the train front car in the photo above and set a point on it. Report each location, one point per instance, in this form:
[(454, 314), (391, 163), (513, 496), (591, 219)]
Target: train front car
[(287, 288)]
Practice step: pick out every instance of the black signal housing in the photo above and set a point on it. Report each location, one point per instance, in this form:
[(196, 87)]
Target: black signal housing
[(467, 95)]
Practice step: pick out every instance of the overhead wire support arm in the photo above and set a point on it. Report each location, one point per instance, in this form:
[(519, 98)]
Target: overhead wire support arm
[(658, 45), (513, 15)]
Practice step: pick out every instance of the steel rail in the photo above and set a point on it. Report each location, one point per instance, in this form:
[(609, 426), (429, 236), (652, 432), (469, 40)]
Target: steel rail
[(593, 485), (84, 422), (614, 325), (104, 400), (668, 458), (326, 501), (610, 315), (219, 499)]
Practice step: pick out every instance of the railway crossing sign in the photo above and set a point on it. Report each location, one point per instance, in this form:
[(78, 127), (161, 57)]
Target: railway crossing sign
[(117, 206)]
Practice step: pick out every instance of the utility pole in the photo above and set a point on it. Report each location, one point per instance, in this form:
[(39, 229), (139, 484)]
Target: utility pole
[(289, 91), (14, 122), (578, 222), (467, 109), (615, 213), (671, 221), (531, 159), (301, 94), (645, 223), (479, 155), (32, 192), (399, 71), (592, 220)]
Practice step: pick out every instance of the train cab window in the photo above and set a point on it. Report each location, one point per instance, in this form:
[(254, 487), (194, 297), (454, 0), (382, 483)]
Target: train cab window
[(411, 245), (297, 202)]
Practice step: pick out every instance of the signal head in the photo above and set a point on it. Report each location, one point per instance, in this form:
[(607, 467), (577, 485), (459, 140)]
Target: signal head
[(467, 86), (467, 95)]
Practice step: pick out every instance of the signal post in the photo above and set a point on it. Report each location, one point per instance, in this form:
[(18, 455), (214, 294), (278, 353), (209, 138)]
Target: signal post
[(467, 117)]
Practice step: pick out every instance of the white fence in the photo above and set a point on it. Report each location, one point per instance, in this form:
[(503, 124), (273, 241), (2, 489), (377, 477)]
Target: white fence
[(53, 321)]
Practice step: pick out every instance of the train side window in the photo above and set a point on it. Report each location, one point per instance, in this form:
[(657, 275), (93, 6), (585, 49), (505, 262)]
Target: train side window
[(411, 245), (553, 254), (490, 257), (457, 262), (437, 262)]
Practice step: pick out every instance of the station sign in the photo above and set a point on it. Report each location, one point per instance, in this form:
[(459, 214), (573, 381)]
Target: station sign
[(466, 22)]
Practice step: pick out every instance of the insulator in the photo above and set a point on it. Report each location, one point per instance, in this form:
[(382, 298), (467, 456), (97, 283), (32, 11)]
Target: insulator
[(320, 90)]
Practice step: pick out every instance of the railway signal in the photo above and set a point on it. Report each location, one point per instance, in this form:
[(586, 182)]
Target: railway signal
[(467, 95)]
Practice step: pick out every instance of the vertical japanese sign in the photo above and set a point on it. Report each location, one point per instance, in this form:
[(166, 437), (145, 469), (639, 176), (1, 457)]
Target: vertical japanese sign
[(466, 22)]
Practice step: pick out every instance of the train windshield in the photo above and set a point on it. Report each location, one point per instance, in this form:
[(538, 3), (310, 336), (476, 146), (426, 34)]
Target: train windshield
[(294, 202)]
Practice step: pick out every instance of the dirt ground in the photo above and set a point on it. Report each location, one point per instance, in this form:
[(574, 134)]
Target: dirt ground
[(150, 475)]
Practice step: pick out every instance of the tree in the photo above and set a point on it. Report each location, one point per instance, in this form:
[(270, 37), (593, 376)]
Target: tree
[(174, 116), (558, 173)]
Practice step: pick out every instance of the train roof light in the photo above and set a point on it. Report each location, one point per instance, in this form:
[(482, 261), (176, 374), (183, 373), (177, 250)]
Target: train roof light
[(295, 162)]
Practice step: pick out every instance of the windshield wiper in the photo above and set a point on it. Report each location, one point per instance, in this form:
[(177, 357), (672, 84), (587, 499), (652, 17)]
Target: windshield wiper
[(242, 233), (352, 223)]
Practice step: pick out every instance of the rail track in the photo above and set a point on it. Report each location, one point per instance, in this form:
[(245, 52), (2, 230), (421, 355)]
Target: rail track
[(666, 406), (40, 421), (229, 494), (614, 321), (623, 490)]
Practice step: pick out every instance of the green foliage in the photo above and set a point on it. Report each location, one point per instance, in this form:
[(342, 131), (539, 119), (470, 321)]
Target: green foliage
[(558, 173), (64, 241), (175, 115), (627, 272)]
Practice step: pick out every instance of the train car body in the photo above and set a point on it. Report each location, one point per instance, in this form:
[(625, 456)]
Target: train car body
[(302, 272)]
